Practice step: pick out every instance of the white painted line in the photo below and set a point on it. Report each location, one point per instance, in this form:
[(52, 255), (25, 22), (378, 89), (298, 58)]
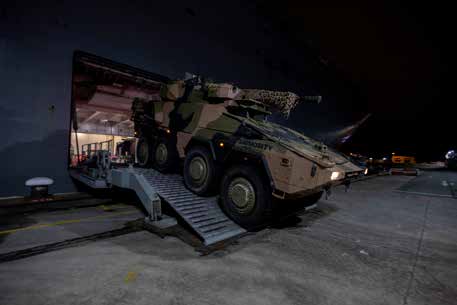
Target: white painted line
[(425, 194)]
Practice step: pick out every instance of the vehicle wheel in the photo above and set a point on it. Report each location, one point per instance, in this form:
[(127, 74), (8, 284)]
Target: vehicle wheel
[(143, 152), (165, 155), (246, 197), (199, 171)]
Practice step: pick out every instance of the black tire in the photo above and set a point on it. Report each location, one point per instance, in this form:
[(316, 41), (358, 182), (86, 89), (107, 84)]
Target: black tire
[(251, 214), (143, 152), (312, 199), (165, 156), (200, 172)]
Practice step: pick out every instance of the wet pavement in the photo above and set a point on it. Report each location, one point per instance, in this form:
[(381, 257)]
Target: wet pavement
[(433, 183)]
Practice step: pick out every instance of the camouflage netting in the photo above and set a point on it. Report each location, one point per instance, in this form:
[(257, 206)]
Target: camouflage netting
[(282, 101)]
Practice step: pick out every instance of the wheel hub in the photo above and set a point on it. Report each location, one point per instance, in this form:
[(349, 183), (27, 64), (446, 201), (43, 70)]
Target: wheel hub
[(161, 153), (242, 194), (198, 170)]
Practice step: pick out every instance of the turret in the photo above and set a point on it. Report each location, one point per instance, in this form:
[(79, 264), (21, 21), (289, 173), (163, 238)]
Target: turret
[(282, 101), (197, 90)]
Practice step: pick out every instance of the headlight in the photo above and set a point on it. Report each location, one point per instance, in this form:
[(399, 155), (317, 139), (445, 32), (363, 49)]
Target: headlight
[(365, 171), (335, 175)]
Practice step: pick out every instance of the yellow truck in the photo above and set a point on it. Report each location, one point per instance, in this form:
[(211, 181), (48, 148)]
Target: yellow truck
[(403, 160)]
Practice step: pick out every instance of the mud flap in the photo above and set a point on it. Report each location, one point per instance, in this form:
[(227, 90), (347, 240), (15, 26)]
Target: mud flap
[(347, 185), (328, 192)]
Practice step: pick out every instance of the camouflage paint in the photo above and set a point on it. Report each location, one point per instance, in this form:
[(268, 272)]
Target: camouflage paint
[(298, 165)]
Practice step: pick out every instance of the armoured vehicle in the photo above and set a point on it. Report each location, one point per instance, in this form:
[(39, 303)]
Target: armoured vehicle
[(221, 135)]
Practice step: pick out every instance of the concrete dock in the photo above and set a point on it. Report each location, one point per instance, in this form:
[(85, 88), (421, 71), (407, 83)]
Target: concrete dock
[(382, 242)]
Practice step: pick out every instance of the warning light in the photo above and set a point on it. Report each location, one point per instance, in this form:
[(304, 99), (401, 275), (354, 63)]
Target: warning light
[(221, 144)]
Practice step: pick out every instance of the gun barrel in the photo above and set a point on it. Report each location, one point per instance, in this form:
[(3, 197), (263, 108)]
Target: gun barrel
[(315, 99)]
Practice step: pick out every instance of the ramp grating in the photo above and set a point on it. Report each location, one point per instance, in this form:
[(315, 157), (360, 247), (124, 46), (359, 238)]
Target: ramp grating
[(201, 213)]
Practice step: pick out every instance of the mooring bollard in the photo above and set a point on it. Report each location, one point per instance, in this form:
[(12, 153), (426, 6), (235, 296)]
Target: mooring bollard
[(39, 187)]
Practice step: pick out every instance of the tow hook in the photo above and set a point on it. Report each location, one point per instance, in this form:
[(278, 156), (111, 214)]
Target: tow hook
[(347, 185), (328, 192)]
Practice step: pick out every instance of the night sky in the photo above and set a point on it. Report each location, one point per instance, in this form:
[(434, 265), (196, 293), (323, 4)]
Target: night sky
[(396, 64), (391, 61)]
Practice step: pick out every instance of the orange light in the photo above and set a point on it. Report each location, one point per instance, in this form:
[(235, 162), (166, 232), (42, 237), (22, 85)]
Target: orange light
[(221, 144)]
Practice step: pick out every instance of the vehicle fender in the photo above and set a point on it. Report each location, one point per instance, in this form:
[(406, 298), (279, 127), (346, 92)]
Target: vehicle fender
[(202, 142)]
